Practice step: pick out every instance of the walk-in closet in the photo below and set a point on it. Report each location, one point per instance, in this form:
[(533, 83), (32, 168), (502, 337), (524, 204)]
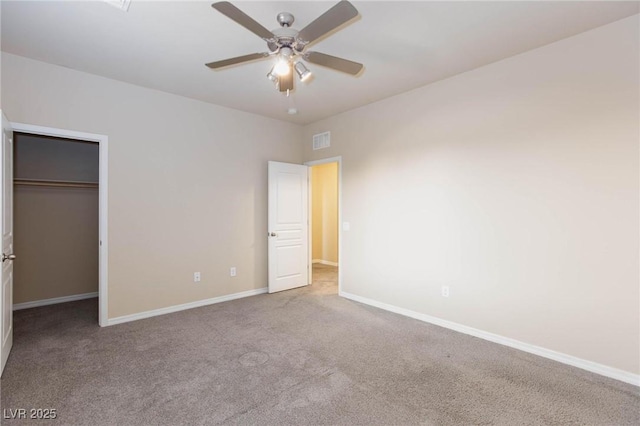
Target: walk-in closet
[(56, 220)]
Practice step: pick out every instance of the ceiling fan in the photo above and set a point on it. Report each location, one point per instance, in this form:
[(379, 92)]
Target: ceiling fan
[(288, 45)]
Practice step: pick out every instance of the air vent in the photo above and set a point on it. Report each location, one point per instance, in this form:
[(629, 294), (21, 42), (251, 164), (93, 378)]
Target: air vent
[(120, 4), (322, 140)]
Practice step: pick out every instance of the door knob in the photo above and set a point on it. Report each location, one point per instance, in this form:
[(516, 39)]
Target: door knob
[(273, 234), (8, 257)]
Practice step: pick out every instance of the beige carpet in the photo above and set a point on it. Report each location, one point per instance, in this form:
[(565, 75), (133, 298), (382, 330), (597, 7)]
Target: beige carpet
[(304, 356)]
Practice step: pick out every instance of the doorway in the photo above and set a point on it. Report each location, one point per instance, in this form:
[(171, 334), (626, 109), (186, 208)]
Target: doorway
[(99, 142), (324, 222), (55, 199)]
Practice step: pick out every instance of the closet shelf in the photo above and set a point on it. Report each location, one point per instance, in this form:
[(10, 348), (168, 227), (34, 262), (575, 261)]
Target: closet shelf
[(55, 183)]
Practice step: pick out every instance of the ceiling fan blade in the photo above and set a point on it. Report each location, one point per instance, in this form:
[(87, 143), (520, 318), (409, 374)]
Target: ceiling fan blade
[(334, 62), (285, 82), (328, 21), (237, 60), (235, 14)]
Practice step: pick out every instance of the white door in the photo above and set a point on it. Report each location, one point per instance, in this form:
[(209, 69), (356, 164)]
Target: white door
[(6, 271), (288, 231)]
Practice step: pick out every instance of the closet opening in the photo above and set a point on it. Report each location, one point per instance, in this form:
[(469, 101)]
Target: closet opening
[(56, 223)]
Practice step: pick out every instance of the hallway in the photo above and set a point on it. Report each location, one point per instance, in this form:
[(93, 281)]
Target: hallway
[(324, 279)]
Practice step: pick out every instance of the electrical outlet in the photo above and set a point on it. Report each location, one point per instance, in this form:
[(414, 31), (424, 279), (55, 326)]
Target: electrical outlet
[(445, 291), (232, 271), (196, 277)]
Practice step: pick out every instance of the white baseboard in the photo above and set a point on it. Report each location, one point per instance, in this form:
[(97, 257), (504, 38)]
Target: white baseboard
[(614, 373), (54, 301), (324, 262), (185, 306)]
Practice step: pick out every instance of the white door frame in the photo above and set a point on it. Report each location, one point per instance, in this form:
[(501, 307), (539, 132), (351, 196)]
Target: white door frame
[(338, 160), (102, 141)]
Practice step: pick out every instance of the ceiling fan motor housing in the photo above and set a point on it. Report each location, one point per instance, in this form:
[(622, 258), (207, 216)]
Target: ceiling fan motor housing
[(288, 37)]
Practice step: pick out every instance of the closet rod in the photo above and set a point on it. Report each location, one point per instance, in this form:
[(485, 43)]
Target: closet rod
[(54, 183)]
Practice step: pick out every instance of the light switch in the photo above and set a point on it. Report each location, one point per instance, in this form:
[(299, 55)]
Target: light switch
[(346, 226)]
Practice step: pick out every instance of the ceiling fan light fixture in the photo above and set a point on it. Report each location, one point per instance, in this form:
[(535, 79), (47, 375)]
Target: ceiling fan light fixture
[(282, 67), (273, 76), (283, 64), (302, 71)]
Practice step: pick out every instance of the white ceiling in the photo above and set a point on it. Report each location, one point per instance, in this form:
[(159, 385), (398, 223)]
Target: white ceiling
[(165, 44)]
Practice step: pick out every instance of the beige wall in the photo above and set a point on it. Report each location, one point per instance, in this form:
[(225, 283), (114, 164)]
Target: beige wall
[(187, 181), (324, 220), (516, 184)]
